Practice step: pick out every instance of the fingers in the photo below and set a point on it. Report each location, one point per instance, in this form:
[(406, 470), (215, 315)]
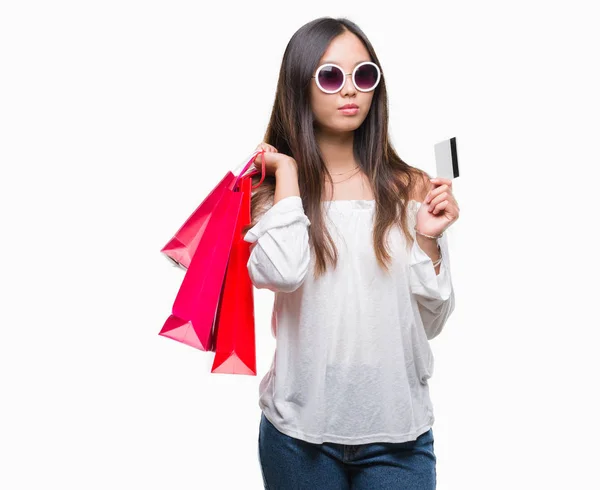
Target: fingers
[(438, 208), (435, 202), (272, 162), (442, 194), (266, 147), (436, 192), (258, 161), (269, 161), (444, 203), (441, 180)]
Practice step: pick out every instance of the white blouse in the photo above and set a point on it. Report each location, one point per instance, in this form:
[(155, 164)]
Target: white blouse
[(352, 355)]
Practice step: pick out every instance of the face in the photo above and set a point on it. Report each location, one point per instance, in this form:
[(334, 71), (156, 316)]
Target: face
[(346, 51)]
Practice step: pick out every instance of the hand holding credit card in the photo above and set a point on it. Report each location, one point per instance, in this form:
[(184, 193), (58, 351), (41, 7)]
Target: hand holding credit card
[(440, 208)]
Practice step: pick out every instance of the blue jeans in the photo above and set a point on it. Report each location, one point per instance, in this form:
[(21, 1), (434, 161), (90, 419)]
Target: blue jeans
[(288, 463)]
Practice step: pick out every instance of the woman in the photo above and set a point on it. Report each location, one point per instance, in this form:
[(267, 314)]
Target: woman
[(351, 240)]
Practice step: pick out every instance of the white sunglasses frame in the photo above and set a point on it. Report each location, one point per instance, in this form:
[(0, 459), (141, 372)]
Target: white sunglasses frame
[(316, 77)]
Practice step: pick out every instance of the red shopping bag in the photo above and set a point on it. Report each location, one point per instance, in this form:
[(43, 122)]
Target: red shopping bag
[(180, 249), (235, 351), (195, 308)]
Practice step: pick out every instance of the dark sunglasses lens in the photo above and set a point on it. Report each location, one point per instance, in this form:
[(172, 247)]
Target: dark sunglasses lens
[(331, 78), (366, 77)]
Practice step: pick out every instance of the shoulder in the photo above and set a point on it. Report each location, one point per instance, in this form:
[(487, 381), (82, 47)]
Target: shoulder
[(419, 184)]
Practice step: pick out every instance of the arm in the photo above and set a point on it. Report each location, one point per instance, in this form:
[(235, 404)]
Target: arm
[(431, 248), (431, 287), (280, 254), (286, 180), (433, 292)]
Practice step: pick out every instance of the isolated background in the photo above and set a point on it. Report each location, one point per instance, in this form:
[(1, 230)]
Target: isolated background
[(116, 119)]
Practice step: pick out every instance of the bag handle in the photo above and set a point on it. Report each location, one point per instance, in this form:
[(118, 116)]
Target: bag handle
[(254, 172)]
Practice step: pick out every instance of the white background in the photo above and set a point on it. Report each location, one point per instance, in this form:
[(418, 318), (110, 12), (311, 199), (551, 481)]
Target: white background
[(116, 119)]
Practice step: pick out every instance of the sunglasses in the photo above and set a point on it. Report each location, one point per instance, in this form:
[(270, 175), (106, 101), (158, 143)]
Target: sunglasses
[(331, 78)]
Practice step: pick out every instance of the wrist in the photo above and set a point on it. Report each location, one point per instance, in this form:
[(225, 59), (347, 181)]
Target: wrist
[(286, 180), (286, 167), (430, 247), (431, 237)]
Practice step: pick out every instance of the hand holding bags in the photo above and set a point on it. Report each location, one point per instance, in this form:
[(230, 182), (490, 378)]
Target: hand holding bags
[(206, 297)]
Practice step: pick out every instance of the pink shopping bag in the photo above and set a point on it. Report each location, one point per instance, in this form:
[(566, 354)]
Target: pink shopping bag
[(182, 246), (196, 304)]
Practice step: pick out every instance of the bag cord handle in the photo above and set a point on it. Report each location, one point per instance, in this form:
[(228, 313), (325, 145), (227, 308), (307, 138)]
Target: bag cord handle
[(254, 172)]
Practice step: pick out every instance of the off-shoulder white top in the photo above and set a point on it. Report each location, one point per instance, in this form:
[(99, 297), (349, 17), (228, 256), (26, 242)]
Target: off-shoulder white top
[(352, 355)]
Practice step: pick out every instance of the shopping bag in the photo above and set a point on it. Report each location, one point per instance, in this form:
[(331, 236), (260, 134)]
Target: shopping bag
[(184, 243), (180, 249), (235, 351), (195, 308)]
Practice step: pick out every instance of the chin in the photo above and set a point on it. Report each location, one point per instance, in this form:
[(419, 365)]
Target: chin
[(334, 126), (348, 125)]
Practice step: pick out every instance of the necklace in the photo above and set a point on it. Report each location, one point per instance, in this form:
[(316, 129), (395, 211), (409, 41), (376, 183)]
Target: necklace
[(342, 173), (347, 178)]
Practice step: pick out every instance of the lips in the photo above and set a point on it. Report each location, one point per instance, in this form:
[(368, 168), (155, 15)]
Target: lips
[(349, 106)]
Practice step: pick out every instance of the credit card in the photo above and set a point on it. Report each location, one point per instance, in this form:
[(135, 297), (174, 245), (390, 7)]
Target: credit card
[(446, 159)]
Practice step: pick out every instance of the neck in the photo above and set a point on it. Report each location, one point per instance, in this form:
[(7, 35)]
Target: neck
[(337, 150)]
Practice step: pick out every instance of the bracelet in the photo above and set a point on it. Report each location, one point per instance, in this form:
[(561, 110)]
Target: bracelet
[(438, 261), (428, 236)]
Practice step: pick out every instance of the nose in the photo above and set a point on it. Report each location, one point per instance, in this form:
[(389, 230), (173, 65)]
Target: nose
[(348, 88)]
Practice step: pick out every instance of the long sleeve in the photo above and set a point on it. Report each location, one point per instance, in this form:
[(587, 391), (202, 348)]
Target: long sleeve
[(434, 293), (280, 253)]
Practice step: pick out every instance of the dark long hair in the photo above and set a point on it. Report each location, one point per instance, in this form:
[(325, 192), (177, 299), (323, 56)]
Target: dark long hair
[(291, 131)]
